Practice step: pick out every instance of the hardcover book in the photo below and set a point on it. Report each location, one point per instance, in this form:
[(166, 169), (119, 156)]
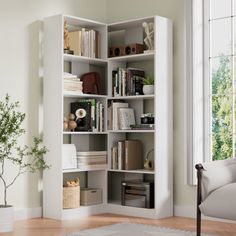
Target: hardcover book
[(133, 155), (82, 112), (126, 118)]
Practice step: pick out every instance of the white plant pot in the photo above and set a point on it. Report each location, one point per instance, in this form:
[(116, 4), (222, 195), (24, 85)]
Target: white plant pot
[(6, 218), (148, 89)]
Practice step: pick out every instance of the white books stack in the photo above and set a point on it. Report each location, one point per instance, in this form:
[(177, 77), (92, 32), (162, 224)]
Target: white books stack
[(72, 83), (68, 156), (91, 160)]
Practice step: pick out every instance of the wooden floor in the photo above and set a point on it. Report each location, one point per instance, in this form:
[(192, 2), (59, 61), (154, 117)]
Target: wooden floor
[(48, 227)]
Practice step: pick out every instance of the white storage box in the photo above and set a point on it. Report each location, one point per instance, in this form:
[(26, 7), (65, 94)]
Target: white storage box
[(90, 196)]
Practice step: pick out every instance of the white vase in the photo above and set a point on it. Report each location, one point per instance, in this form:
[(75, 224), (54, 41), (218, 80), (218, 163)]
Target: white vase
[(148, 89), (6, 218)]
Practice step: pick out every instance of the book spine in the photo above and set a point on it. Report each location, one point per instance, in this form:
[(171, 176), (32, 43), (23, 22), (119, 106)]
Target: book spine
[(101, 117), (120, 155), (119, 81), (114, 159), (97, 116), (123, 82)]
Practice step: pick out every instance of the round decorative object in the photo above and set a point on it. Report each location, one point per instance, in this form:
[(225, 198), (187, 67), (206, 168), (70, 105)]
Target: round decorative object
[(148, 164), (71, 116), (80, 113), (148, 89), (65, 125), (72, 125)]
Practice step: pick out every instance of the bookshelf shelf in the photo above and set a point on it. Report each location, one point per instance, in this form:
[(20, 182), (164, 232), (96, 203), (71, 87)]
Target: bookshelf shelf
[(83, 170), (58, 103), (137, 97), (93, 61), (132, 131), (82, 132), (73, 94), (152, 172), (134, 58)]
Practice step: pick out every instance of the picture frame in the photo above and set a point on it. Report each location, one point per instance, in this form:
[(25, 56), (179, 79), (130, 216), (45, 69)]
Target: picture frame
[(126, 118)]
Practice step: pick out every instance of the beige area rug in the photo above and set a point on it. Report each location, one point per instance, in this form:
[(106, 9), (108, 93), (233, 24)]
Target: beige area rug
[(133, 229)]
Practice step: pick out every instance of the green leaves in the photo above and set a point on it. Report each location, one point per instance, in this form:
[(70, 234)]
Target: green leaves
[(149, 80), (222, 111), (25, 158)]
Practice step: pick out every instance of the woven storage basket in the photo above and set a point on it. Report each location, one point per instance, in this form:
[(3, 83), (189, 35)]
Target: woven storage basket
[(71, 197)]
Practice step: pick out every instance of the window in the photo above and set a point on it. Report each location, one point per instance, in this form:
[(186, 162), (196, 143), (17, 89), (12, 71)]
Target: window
[(211, 85), (219, 79)]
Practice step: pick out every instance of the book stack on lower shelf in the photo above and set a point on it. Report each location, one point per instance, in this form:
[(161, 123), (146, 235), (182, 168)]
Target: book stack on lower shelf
[(92, 160), (127, 155)]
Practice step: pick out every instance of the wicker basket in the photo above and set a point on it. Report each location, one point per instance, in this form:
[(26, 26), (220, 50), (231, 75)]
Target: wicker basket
[(71, 197)]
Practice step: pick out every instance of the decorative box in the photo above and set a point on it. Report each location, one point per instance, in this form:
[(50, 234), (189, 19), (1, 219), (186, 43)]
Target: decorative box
[(71, 197), (90, 196)]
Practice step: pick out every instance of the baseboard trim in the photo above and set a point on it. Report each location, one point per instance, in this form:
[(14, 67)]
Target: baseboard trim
[(184, 211), (191, 213), (27, 213)]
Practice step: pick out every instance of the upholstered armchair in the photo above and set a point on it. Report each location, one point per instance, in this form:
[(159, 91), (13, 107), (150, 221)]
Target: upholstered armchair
[(216, 190)]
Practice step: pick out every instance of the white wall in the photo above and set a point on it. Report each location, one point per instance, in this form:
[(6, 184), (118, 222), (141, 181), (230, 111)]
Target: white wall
[(19, 75), (184, 195)]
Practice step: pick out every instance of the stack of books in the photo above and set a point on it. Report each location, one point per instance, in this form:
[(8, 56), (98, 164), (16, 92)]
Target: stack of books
[(72, 83), (127, 155), (85, 42), (113, 113), (92, 160), (127, 81)]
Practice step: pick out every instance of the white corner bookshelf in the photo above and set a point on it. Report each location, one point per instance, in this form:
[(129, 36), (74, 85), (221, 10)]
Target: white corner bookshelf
[(57, 105)]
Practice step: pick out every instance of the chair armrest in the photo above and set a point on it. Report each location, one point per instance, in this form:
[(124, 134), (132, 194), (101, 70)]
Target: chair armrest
[(199, 169)]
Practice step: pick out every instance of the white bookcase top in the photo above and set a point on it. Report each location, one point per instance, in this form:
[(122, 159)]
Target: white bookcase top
[(129, 23)]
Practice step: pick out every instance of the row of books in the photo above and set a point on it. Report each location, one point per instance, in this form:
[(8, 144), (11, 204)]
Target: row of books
[(72, 83), (89, 115), (85, 42), (120, 116), (91, 160), (127, 81), (127, 155)]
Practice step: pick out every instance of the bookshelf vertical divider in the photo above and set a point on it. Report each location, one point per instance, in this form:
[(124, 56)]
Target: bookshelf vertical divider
[(56, 103)]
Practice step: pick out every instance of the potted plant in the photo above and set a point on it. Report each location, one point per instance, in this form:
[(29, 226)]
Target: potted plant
[(25, 159), (148, 85)]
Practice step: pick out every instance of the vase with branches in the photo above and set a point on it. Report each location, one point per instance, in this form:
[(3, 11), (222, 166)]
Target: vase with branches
[(24, 158)]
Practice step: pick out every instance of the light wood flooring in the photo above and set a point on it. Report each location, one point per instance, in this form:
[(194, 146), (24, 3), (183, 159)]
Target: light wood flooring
[(48, 227)]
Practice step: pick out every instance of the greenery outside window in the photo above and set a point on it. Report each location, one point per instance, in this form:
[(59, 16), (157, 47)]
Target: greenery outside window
[(219, 78), (211, 69)]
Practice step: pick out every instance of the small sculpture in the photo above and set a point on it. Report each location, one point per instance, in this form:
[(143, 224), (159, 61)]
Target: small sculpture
[(66, 40), (149, 164), (149, 31)]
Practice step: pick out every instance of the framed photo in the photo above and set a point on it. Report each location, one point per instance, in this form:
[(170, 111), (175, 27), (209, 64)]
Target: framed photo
[(126, 118)]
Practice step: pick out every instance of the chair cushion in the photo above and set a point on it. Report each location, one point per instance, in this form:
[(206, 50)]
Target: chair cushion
[(217, 174), (221, 203)]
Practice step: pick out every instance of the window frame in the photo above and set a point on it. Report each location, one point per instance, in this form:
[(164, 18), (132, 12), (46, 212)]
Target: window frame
[(195, 88), (198, 36)]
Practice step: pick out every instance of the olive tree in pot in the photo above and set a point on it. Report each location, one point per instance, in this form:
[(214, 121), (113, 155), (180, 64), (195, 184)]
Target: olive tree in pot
[(26, 159)]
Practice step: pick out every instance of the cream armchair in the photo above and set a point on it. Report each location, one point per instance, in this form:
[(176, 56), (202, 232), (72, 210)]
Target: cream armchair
[(216, 190)]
